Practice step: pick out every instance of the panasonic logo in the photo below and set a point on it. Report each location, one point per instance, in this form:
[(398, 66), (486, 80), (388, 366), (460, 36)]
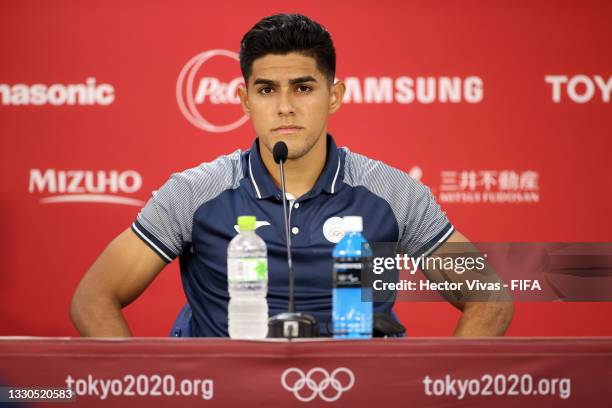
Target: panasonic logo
[(89, 93), (85, 186)]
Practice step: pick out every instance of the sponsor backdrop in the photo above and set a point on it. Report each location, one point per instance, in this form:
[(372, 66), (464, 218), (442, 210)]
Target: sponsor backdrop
[(502, 109)]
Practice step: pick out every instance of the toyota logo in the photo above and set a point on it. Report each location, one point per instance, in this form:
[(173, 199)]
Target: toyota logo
[(318, 382)]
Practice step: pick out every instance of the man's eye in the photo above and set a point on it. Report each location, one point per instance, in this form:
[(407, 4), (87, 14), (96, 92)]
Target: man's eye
[(265, 90), (303, 88)]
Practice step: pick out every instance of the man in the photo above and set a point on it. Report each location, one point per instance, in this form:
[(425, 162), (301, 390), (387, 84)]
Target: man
[(288, 63)]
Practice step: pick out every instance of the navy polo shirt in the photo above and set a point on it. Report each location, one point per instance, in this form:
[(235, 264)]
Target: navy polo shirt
[(193, 217)]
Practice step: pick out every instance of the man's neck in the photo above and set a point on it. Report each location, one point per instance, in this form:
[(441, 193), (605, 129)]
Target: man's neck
[(300, 174)]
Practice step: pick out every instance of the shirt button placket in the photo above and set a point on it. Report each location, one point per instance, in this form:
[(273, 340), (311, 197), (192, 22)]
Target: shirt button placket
[(296, 221)]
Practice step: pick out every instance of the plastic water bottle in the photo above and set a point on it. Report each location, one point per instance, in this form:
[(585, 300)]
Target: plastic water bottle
[(351, 315), (247, 278)]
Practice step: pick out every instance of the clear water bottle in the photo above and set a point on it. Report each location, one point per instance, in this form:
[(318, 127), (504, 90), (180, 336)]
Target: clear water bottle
[(351, 313), (247, 278)]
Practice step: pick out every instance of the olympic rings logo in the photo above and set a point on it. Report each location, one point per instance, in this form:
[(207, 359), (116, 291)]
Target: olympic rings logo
[(318, 381), (332, 229), (337, 234)]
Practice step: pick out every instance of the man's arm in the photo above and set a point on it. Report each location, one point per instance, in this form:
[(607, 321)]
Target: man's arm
[(119, 275), (478, 319)]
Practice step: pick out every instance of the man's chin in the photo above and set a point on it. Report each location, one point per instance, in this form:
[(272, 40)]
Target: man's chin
[(296, 152), (295, 157), (296, 145), (296, 148)]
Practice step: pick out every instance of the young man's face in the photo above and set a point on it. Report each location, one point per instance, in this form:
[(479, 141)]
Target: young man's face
[(289, 99)]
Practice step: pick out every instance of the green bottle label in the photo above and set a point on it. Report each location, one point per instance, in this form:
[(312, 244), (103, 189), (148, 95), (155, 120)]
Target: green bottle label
[(247, 269)]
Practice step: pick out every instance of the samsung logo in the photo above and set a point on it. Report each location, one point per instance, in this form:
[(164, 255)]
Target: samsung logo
[(406, 90)]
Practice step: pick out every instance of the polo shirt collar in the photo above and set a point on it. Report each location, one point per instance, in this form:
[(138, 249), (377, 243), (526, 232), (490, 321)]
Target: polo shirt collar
[(263, 184)]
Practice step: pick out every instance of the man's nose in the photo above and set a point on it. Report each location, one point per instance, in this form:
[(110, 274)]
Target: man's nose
[(285, 103)]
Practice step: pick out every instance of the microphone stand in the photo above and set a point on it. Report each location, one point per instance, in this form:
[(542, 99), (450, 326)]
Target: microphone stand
[(291, 324), (287, 241)]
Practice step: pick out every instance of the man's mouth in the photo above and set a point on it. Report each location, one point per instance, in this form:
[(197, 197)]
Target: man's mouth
[(287, 130)]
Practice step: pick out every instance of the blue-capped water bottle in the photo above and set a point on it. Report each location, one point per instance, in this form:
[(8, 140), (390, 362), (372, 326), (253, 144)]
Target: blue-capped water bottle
[(351, 312)]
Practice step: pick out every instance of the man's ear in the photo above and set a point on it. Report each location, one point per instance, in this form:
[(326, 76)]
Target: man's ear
[(244, 100), (336, 95)]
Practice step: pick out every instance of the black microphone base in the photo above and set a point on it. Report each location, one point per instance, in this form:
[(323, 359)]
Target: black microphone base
[(292, 325)]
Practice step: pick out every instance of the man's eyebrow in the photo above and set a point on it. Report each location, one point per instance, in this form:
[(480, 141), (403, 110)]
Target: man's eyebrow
[(293, 81), (300, 80), (264, 81)]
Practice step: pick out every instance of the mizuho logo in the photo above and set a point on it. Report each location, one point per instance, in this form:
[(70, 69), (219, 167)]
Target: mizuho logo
[(66, 186), (207, 89), (318, 382)]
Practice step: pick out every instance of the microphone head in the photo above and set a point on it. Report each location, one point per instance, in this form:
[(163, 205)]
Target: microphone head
[(280, 152)]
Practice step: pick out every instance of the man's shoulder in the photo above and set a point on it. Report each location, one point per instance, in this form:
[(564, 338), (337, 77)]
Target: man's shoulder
[(194, 186), (360, 169), (225, 171), (165, 222)]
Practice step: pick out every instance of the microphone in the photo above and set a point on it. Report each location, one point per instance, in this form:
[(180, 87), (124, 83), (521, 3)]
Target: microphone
[(280, 153), (291, 324)]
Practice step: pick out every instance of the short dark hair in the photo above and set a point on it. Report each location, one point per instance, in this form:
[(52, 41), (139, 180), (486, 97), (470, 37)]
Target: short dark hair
[(285, 33)]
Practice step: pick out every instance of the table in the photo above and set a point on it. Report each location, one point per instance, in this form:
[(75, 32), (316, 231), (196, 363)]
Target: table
[(410, 372)]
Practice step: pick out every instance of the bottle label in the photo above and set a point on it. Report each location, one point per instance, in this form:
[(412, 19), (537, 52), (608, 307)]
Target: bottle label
[(347, 273), (247, 269)]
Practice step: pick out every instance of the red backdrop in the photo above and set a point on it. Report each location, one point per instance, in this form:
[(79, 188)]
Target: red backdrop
[(502, 109)]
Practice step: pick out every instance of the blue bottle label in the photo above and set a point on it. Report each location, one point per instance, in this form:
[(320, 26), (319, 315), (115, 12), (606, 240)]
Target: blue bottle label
[(347, 273)]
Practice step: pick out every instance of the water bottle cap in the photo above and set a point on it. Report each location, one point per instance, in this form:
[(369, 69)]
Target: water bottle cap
[(246, 222), (352, 224)]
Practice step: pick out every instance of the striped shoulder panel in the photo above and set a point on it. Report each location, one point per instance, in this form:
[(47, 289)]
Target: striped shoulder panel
[(165, 222), (422, 223)]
